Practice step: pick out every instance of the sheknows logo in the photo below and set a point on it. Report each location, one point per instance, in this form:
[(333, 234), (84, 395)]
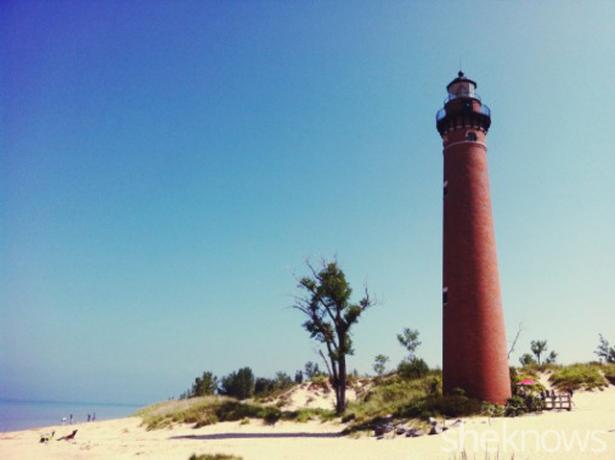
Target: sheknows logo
[(523, 441)]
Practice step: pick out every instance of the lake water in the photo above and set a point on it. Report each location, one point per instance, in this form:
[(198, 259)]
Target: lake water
[(21, 415)]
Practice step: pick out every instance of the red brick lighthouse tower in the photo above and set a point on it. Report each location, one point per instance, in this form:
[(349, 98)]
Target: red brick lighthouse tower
[(474, 352)]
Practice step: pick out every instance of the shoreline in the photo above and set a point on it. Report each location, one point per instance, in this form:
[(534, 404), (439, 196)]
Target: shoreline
[(592, 421), (26, 415)]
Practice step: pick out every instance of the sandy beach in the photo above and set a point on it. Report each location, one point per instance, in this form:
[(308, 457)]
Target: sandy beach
[(586, 432)]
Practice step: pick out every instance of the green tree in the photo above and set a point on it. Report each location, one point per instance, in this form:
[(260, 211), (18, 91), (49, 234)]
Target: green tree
[(551, 358), (380, 364), (263, 386), (298, 377), (205, 385), (538, 347), (411, 367), (605, 351), (238, 384), (527, 359), (311, 370), (282, 381), (330, 316), (409, 339)]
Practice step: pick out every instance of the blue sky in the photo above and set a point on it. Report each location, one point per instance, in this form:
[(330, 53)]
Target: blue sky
[(167, 167)]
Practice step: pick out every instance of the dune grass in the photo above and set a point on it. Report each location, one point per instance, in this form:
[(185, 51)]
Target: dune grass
[(406, 400), (578, 377), (533, 370), (208, 410), (204, 411), (609, 373)]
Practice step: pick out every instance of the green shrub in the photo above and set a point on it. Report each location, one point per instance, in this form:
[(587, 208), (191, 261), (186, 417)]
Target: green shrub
[(404, 399), (306, 414), (577, 377), (450, 405), (388, 396), (214, 457), (435, 385), (266, 389), (519, 405), (492, 410), (534, 403), (412, 369), (320, 379), (271, 415), (515, 406), (609, 373), (230, 411), (203, 419)]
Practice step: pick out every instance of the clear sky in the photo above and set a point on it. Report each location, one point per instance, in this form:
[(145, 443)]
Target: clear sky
[(167, 167)]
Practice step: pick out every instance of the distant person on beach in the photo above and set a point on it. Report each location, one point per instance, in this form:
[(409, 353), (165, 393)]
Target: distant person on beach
[(94, 416), (71, 419), (63, 420), (89, 417)]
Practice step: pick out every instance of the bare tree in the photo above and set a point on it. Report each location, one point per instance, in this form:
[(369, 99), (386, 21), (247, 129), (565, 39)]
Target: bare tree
[(515, 340)]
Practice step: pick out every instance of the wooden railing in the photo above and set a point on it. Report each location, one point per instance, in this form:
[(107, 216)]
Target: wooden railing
[(554, 400)]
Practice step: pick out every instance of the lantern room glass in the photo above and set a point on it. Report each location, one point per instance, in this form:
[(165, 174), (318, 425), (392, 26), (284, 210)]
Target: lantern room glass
[(462, 89)]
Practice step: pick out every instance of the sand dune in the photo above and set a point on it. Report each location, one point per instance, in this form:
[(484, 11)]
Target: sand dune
[(587, 432), (310, 396)]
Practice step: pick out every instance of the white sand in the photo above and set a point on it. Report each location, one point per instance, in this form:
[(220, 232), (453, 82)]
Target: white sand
[(305, 396), (593, 419)]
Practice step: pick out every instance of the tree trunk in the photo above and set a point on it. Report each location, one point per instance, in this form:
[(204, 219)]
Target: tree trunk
[(340, 390)]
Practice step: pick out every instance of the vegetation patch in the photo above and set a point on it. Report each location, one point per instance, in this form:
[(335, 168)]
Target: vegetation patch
[(205, 411), (408, 399), (578, 377), (523, 404), (214, 457), (208, 410), (609, 373), (194, 410), (402, 397), (306, 414)]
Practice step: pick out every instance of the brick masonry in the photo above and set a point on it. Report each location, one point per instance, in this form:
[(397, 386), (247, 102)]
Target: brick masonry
[(474, 338)]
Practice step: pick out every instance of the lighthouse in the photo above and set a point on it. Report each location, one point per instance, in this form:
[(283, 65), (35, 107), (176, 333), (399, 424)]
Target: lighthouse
[(474, 338)]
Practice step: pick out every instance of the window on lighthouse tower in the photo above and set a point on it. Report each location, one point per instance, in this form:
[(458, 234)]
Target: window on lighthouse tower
[(471, 136)]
